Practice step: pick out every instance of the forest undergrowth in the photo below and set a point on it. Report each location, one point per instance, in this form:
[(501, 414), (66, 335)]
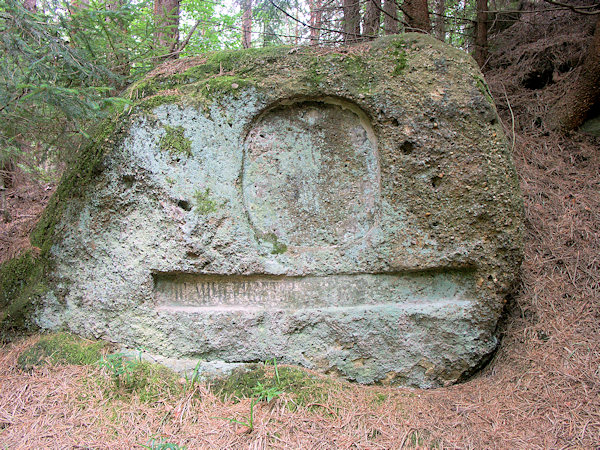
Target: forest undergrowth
[(541, 390)]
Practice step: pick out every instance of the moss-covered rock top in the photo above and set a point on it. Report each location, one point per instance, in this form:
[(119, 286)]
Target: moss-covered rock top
[(415, 58)]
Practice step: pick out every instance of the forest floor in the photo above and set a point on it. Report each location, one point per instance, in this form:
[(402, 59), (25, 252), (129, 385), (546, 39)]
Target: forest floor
[(541, 390)]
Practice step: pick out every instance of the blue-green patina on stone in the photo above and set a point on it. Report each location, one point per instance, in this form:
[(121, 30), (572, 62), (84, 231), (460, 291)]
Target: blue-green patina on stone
[(330, 211)]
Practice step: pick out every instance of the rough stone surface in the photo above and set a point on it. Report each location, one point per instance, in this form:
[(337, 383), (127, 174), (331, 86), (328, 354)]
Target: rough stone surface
[(354, 211)]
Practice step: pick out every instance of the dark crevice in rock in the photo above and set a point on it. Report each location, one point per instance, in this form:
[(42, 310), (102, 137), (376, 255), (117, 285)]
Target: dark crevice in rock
[(407, 147), (185, 205), (436, 181)]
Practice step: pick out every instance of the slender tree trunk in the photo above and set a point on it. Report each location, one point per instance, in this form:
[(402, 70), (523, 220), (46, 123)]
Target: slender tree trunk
[(440, 24), (390, 17), (4, 212), (351, 21), (166, 15), (121, 63), (247, 24), (372, 19), (481, 48), (30, 5), (572, 109), (465, 29), (416, 15), (7, 170), (297, 30), (265, 37), (7, 164), (316, 18)]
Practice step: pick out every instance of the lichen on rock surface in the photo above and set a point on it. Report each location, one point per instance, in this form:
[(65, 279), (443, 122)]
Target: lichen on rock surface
[(352, 211)]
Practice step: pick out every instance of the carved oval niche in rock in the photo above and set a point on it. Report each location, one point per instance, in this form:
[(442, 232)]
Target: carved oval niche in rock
[(310, 174), (352, 213)]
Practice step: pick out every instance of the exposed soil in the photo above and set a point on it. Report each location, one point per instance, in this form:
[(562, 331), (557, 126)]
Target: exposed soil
[(20, 208)]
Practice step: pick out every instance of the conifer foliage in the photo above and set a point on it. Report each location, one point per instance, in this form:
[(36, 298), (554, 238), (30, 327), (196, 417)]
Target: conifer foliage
[(52, 79)]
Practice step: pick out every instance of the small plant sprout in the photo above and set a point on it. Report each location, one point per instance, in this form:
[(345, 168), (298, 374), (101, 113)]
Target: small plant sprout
[(159, 444), (276, 371), (266, 393), (140, 352), (260, 392), (119, 368), (248, 423), (195, 374)]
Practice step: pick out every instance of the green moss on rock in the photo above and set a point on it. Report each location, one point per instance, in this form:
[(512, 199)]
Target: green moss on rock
[(158, 100), (203, 203), (483, 87), (22, 280), (401, 64), (227, 84), (175, 142), (150, 382), (278, 247), (219, 70), (229, 62), (302, 387), (79, 174), (61, 349), (21, 285)]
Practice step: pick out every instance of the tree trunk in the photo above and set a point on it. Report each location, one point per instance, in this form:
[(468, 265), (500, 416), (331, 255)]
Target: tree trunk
[(481, 49), (390, 17), (30, 5), (468, 30), (440, 24), (351, 21), (166, 15), (572, 109), (372, 19), (247, 24), (297, 30), (7, 171), (416, 15), (316, 18), (121, 64)]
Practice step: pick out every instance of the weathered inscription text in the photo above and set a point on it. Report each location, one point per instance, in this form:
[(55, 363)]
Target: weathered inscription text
[(311, 292)]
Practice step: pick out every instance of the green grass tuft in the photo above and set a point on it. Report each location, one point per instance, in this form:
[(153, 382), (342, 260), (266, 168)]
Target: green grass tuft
[(151, 382), (160, 444), (380, 398)]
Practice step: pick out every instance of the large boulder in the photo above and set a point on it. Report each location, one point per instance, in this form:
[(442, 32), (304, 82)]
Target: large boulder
[(352, 210)]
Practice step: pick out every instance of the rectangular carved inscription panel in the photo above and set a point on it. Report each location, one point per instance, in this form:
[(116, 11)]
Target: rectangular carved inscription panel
[(282, 292)]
